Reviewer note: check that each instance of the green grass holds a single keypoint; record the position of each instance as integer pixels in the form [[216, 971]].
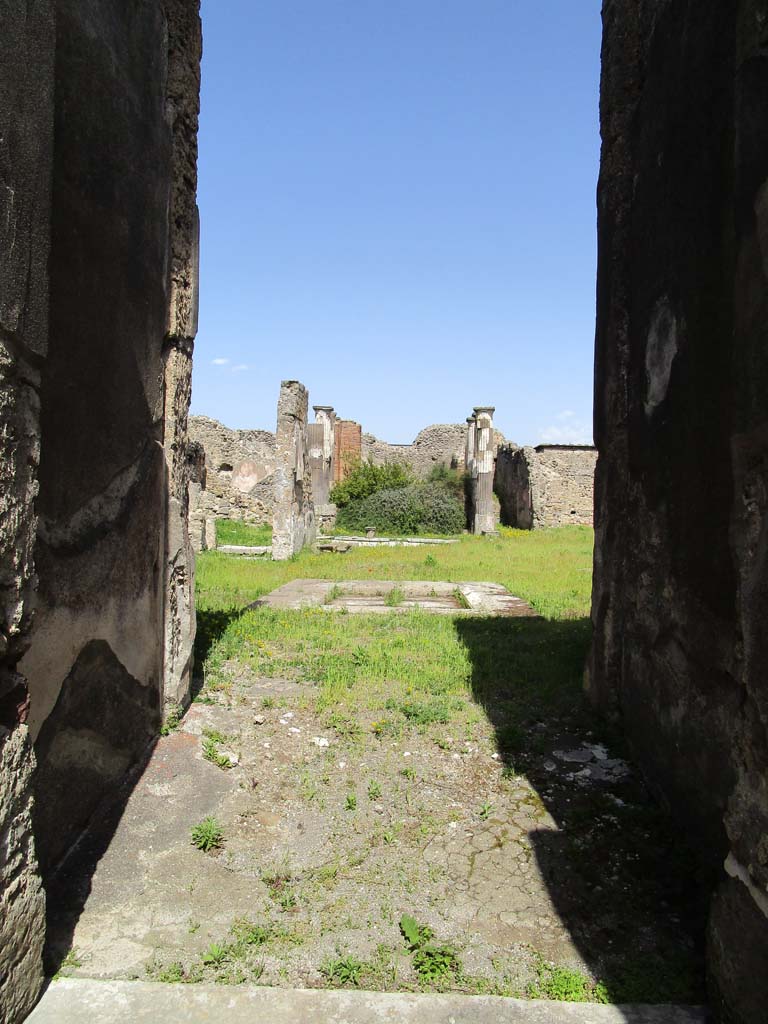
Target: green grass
[[233, 531], [549, 568], [419, 668], [565, 985]]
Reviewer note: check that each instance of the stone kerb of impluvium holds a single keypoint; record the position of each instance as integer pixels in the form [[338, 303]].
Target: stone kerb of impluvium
[[480, 466], [293, 524]]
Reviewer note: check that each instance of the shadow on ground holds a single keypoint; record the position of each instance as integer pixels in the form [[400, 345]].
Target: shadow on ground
[[69, 883], [621, 881]]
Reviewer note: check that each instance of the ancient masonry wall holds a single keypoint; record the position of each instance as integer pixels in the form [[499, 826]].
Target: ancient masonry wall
[[293, 523], [347, 447], [98, 230], [550, 485], [182, 110], [27, 46], [441, 444], [237, 481], [680, 596]]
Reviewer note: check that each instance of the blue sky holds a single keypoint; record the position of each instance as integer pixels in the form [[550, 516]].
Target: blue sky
[[398, 209]]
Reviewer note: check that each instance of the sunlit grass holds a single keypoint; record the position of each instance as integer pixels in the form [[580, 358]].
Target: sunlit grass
[[232, 531], [549, 568], [367, 662]]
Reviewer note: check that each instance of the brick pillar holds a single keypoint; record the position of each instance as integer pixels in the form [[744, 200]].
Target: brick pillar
[[348, 447], [485, 515]]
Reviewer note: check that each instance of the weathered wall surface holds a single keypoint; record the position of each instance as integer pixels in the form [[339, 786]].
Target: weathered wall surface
[[550, 485], [107, 644], [681, 564], [440, 444], [182, 110], [512, 485], [238, 481], [98, 271], [26, 156], [293, 523]]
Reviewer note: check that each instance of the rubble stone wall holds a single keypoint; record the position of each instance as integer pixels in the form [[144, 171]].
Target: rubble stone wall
[[442, 444], [680, 597], [238, 479], [293, 522], [550, 485]]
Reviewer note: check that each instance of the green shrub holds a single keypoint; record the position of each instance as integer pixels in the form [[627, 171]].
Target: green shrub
[[366, 479], [452, 480], [420, 508]]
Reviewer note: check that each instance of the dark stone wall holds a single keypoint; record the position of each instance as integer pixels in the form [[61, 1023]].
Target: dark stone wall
[[26, 158], [98, 307], [681, 563], [101, 519], [512, 485], [114, 621]]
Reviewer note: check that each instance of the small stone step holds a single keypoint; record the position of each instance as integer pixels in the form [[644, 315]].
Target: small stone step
[[78, 1000]]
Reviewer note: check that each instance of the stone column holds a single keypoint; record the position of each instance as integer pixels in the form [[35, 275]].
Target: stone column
[[293, 524], [485, 515], [321, 442], [469, 469]]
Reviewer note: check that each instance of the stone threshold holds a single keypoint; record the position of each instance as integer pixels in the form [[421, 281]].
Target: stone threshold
[[74, 1000]]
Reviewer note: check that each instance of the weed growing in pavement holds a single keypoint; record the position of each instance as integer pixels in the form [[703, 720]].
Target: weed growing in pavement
[[211, 740], [207, 835], [434, 963], [172, 721], [564, 984], [343, 971], [485, 811], [216, 954]]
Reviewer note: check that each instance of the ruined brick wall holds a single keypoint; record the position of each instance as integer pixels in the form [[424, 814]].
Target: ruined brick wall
[[26, 156], [239, 467], [441, 444], [293, 523], [680, 597], [98, 228], [550, 485], [347, 447]]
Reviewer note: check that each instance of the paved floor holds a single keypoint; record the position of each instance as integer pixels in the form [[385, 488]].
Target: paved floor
[[73, 1001]]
